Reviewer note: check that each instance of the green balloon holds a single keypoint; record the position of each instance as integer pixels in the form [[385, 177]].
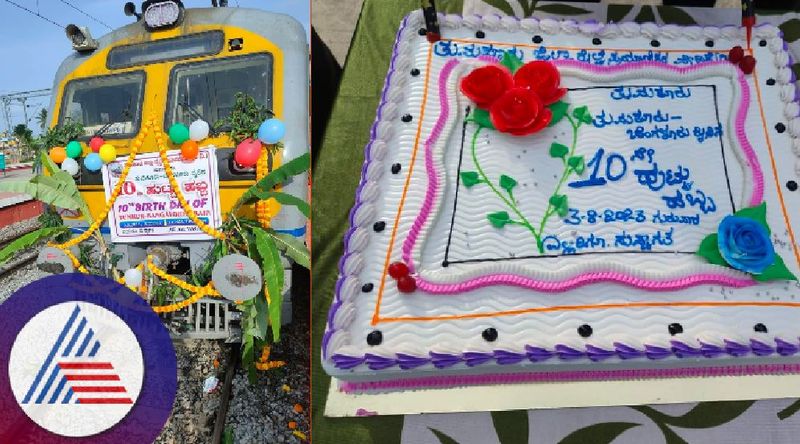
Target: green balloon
[[178, 133], [74, 149]]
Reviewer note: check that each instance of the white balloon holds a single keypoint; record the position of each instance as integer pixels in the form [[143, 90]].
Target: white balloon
[[71, 166], [198, 130], [133, 277]]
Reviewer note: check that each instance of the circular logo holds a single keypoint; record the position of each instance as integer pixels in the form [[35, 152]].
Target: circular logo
[[87, 360]]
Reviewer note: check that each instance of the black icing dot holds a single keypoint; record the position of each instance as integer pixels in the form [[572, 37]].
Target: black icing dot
[[675, 328], [423, 31], [791, 185], [655, 43], [762, 43], [597, 41], [375, 338], [537, 39], [770, 82], [406, 118], [585, 330], [760, 328], [379, 226], [490, 334], [366, 288], [415, 72], [710, 43], [396, 168], [780, 127], [480, 34]]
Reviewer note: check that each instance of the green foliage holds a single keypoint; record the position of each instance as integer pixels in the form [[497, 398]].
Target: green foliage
[[442, 437], [577, 164], [245, 118], [582, 114], [675, 15], [709, 249], [790, 29], [507, 183], [602, 433], [277, 176], [469, 178], [562, 9], [616, 13], [558, 150], [51, 219], [559, 204], [481, 118], [23, 242], [645, 15], [292, 248], [273, 277], [227, 436], [511, 61], [499, 219], [558, 110], [511, 426], [59, 190], [61, 134]]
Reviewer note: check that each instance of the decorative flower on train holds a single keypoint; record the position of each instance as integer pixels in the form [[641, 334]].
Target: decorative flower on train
[[95, 143], [74, 149], [198, 130], [247, 152], [189, 150], [93, 162], [58, 154], [743, 242], [108, 153], [271, 131], [512, 96], [178, 133]]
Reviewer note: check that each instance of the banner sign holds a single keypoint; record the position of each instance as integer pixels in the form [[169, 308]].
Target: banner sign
[[147, 209]]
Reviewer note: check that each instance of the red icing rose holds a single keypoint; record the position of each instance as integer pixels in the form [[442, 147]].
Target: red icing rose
[[541, 78], [486, 84], [520, 112]]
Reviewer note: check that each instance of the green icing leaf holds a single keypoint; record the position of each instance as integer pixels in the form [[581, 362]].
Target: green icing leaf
[[603, 433], [558, 110], [481, 118], [675, 16], [442, 437], [577, 164], [645, 15], [502, 5], [776, 272], [709, 249], [511, 61], [507, 183], [469, 178], [561, 9], [559, 202], [499, 219], [582, 114], [558, 150], [757, 213], [791, 30], [616, 13], [511, 426], [790, 410], [704, 415]]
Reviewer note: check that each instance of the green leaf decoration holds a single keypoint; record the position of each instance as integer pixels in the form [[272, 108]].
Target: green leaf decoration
[[499, 219], [293, 248], [511, 61], [284, 199], [561, 9], [704, 415], [507, 183], [481, 118], [675, 16], [582, 114], [616, 13], [442, 437], [227, 436], [273, 278], [502, 5], [645, 15], [277, 176], [52, 190], [603, 433], [791, 30], [577, 164], [559, 203], [790, 410], [709, 249], [776, 272], [558, 150], [558, 110], [28, 240], [248, 357], [469, 178], [511, 426], [757, 213]]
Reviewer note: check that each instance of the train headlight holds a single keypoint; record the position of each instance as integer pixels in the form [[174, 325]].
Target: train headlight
[[81, 38], [160, 14]]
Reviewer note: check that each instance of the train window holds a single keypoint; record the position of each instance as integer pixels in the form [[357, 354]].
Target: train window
[[207, 89], [178, 48], [111, 103]]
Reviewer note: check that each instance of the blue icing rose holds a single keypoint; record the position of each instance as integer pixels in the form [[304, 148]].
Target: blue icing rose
[[745, 244]]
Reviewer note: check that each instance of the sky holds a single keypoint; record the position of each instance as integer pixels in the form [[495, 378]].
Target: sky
[[32, 48]]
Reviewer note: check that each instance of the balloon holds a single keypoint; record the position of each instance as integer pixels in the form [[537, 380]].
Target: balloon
[[247, 152], [108, 153], [271, 131], [95, 143], [178, 133], [189, 150], [74, 149], [93, 162], [198, 130], [133, 277], [71, 166], [58, 154]]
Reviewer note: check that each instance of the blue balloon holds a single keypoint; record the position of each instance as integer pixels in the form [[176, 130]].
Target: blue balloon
[[271, 131], [92, 162]]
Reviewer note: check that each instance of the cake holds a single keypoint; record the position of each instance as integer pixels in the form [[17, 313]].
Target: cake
[[547, 200]]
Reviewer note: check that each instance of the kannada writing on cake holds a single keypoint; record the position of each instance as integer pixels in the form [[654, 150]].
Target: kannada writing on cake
[[645, 240]]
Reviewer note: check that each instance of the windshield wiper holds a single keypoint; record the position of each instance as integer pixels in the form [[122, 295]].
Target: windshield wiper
[[126, 115], [197, 116]]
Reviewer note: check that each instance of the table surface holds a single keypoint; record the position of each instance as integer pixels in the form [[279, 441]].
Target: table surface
[[336, 175]]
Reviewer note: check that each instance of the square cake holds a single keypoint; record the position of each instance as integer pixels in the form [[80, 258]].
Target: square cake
[[548, 200]]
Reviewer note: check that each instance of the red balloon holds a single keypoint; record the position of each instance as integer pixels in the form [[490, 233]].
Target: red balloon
[[247, 153], [95, 143]]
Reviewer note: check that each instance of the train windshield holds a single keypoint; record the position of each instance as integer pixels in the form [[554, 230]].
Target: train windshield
[[207, 90], [108, 104]]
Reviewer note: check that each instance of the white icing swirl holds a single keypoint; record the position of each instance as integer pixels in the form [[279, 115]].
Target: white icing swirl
[[569, 27], [794, 127], [353, 264], [472, 22], [349, 290], [358, 239], [791, 110], [610, 30], [509, 23], [369, 191], [344, 315], [691, 32], [530, 25], [712, 32], [629, 29], [374, 171], [796, 147], [650, 30], [491, 22], [672, 31], [549, 26], [775, 44], [378, 150], [787, 92], [781, 59], [364, 214], [590, 28]]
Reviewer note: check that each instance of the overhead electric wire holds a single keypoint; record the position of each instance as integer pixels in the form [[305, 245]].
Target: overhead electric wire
[[85, 13], [34, 13]]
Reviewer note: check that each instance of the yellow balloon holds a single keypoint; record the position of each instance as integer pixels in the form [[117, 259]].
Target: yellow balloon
[[108, 153]]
